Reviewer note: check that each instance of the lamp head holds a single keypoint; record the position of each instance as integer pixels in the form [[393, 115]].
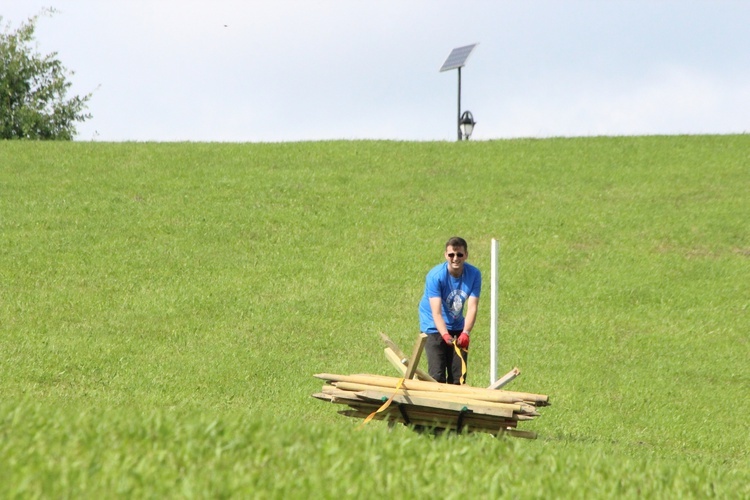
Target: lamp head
[[466, 124]]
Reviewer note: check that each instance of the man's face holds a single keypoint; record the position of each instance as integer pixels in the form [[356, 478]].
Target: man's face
[[456, 256]]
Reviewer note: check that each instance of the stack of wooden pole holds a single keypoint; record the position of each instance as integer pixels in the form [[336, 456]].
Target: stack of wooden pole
[[429, 404]]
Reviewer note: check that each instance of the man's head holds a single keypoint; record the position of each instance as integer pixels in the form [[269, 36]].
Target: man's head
[[456, 253]]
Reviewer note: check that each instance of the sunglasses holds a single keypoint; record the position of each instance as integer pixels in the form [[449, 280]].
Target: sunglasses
[[459, 255]]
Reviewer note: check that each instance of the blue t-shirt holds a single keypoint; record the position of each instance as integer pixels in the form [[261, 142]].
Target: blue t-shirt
[[453, 292]]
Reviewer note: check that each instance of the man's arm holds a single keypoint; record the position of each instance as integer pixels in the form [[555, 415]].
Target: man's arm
[[471, 313], [436, 305]]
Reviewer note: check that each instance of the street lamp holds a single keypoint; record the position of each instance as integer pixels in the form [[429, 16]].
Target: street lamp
[[467, 125], [456, 60]]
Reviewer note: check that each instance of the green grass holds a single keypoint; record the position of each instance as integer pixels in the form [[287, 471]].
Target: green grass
[[164, 306]]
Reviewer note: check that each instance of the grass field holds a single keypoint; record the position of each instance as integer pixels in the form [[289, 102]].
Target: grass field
[[164, 307]]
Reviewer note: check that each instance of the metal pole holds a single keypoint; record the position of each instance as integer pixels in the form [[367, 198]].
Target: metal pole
[[458, 121], [493, 311]]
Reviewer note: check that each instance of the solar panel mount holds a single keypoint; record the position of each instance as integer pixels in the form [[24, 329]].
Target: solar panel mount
[[457, 58]]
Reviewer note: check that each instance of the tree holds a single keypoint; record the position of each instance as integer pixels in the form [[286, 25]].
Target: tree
[[33, 90]]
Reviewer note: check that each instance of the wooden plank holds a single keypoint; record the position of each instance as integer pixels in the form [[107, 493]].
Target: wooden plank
[[500, 396], [389, 343], [331, 398], [516, 408], [443, 416], [415, 355], [377, 397], [410, 400], [399, 355], [339, 393], [470, 423], [440, 411], [505, 379], [475, 392], [423, 375], [394, 360]]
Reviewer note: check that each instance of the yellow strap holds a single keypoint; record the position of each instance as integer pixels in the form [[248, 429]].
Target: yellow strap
[[463, 363], [385, 405]]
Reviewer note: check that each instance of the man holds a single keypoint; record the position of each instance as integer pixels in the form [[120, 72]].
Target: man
[[450, 288]]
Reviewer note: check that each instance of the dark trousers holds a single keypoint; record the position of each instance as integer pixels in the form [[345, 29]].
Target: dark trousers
[[443, 364]]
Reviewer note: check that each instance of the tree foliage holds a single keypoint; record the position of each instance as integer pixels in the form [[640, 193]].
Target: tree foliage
[[33, 90]]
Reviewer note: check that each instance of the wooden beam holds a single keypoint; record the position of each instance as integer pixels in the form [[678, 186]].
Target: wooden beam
[[505, 379], [399, 354], [394, 360], [500, 396], [411, 368], [471, 423], [443, 411], [389, 343], [457, 407], [456, 398], [323, 396]]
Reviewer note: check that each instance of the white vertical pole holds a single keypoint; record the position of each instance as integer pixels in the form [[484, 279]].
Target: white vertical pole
[[493, 312]]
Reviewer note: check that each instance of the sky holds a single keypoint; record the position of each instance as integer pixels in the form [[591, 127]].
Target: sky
[[310, 70]]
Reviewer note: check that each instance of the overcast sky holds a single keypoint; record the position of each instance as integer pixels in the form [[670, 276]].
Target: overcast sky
[[283, 70]]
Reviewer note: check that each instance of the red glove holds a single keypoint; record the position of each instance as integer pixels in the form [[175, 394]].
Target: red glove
[[448, 338], [463, 340]]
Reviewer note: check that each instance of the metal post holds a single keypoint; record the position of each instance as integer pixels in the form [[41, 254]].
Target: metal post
[[458, 121], [493, 311], [456, 59]]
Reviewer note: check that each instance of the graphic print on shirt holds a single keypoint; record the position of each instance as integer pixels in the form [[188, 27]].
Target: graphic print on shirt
[[455, 303]]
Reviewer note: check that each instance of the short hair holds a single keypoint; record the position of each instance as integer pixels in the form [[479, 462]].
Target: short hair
[[457, 241]]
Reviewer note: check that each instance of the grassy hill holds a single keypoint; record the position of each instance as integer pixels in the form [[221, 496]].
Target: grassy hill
[[164, 306]]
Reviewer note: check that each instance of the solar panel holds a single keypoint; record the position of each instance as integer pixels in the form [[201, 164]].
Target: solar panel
[[458, 57]]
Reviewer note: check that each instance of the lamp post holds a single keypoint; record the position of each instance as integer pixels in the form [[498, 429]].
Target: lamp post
[[466, 124], [456, 60]]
